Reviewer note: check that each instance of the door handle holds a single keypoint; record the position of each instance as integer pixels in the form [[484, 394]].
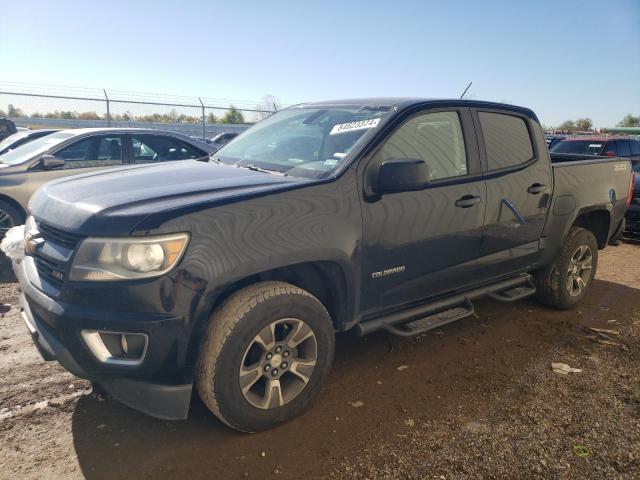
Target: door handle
[[467, 201], [536, 188]]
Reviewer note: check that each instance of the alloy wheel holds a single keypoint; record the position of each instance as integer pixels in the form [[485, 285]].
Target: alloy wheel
[[579, 271], [278, 363], [6, 222]]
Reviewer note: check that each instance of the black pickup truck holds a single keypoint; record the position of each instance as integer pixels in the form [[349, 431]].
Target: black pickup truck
[[234, 275]]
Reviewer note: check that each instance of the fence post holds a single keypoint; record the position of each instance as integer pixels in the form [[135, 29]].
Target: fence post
[[108, 112], [202, 117]]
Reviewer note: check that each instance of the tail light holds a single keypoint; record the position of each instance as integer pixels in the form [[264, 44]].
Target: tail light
[[631, 185]]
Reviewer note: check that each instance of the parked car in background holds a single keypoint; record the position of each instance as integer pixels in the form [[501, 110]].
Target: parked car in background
[[222, 139], [21, 137], [599, 146], [632, 217], [69, 152], [553, 139], [233, 276]]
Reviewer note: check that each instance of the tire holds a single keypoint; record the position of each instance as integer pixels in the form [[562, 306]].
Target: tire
[[10, 216], [554, 286], [232, 342]]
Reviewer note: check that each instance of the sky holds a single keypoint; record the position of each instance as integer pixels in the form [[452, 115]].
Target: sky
[[564, 59]]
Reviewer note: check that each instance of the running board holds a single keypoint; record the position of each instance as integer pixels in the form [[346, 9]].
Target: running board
[[426, 317]]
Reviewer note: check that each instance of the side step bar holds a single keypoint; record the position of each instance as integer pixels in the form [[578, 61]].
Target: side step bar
[[426, 317]]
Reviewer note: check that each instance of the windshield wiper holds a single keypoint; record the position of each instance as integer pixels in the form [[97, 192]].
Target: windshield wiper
[[255, 168]]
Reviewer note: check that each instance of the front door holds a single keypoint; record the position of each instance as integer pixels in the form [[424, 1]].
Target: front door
[[418, 244], [519, 185]]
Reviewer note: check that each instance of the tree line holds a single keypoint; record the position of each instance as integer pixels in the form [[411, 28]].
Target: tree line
[[585, 124], [232, 115]]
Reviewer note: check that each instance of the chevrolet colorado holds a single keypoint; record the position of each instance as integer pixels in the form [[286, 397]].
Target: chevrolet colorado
[[234, 275]]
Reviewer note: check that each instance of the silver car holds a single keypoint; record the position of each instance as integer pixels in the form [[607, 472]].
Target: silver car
[[69, 152]]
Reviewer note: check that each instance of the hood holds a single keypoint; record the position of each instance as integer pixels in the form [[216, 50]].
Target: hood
[[114, 201]]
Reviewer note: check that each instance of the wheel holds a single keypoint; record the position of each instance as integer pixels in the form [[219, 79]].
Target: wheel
[[266, 351], [567, 280], [10, 216]]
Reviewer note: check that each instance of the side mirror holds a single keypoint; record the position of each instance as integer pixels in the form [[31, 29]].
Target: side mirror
[[50, 162], [401, 175]]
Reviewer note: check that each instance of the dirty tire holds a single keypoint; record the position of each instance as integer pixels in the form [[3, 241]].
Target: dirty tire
[[232, 328], [551, 283]]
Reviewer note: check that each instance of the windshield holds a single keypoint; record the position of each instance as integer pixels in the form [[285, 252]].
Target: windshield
[[308, 142], [29, 150], [582, 147]]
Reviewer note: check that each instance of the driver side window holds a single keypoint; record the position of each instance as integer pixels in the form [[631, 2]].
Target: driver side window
[[100, 151], [435, 138]]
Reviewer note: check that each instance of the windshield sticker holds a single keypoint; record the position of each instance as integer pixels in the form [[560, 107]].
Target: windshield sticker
[[353, 126], [330, 162]]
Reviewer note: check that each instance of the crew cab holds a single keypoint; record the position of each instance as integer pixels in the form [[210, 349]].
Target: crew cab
[[234, 275]]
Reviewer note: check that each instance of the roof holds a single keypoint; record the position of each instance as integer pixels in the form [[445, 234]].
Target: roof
[[598, 139], [87, 131], [587, 139], [406, 102], [82, 131]]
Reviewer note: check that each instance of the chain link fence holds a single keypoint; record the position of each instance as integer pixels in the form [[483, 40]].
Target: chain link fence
[[46, 106]]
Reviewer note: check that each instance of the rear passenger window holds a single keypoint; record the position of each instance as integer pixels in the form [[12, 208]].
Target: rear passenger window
[[435, 138], [623, 148], [155, 148], [610, 149], [506, 139]]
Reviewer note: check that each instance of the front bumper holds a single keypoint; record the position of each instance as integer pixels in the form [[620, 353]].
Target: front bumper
[[156, 387]]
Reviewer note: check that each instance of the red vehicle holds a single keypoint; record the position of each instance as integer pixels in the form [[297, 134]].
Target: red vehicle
[[599, 146]]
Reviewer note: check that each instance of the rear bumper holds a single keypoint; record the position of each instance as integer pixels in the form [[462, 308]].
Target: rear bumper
[[55, 329]]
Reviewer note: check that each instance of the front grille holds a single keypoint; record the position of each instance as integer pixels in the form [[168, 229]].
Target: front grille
[[51, 272], [59, 237]]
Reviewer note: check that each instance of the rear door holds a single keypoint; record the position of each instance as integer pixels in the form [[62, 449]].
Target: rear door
[[421, 243], [84, 155], [519, 184]]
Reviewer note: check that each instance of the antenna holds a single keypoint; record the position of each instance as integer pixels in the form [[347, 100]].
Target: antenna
[[465, 90]]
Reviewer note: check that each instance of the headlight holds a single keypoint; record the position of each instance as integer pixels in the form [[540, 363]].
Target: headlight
[[107, 259]]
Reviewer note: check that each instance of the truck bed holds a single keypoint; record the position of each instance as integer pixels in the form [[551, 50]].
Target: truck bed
[[584, 184]]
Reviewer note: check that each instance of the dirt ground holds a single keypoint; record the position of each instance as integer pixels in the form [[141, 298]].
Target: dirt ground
[[475, 399]]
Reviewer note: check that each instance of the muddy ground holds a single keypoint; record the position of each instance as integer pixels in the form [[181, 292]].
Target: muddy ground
[[476, 399]]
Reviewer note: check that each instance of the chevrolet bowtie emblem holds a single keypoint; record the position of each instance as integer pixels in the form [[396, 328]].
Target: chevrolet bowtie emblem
[[32, 240]]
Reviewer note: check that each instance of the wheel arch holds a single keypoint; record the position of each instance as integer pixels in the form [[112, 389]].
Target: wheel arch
[[324, 279], [598, 221], [10, 201]]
